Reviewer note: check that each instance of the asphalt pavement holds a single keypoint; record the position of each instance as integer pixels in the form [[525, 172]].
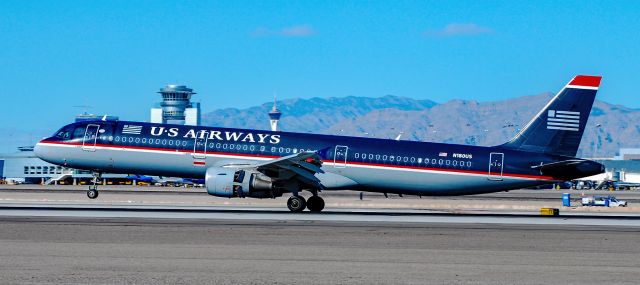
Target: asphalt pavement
[[63, 250]]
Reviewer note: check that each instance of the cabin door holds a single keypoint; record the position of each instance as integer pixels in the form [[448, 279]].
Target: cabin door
[[199, 150], [496, 162], [340, 157], [90, 137]]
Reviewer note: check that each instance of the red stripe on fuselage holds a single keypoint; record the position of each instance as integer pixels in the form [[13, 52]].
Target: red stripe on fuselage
[[328, 161]]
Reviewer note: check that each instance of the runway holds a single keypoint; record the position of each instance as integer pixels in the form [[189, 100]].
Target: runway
[[190, 238], [64, 250], [276, 214]]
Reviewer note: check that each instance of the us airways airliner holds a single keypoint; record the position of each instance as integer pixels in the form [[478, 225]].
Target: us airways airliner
[[248, 163]]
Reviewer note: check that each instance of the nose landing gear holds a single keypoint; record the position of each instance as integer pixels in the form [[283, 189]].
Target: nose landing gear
[[92, 193]]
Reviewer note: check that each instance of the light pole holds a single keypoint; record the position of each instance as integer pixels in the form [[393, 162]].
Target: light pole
[[596, 140]]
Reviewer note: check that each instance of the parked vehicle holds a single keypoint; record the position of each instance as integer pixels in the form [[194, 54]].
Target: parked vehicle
[[603, 201]]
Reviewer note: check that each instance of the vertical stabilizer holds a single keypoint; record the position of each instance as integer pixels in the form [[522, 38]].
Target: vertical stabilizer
[[558, 127]]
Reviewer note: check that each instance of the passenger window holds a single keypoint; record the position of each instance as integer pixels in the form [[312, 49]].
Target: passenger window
[[357, 155], [440, 161]]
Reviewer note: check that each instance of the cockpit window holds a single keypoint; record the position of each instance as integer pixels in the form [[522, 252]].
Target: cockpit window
[[63, 135], [79, 132]]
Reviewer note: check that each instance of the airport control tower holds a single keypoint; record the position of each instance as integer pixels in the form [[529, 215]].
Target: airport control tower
[[176, 107], [274, 116]]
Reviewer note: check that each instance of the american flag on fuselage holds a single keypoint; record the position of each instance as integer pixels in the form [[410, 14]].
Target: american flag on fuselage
[[131, 129]]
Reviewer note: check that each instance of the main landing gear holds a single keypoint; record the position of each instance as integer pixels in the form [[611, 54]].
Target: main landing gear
[[297, 204], [92, 193]]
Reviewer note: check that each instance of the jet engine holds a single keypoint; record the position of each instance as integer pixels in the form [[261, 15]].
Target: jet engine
[[231, 183]]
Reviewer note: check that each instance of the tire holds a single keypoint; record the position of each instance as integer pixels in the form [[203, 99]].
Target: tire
[[296, 204], [92, 194], [315, 204]]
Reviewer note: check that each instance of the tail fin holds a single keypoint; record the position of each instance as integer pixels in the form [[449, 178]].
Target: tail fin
[[558, 127]]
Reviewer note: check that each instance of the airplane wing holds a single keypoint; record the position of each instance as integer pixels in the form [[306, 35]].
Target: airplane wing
[[301, 166]]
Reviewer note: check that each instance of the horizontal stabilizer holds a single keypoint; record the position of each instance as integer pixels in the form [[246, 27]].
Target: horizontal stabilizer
[[563, 170]]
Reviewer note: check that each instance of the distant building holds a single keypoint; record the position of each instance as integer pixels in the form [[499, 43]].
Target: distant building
[[628, 154], [176, 107], [91, 117], [25, 167], [274, 116]]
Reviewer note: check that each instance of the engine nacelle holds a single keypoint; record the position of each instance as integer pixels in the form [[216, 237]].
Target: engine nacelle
[[230, 182]]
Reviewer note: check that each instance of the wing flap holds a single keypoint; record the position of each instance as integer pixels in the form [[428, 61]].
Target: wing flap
[[301, 166]]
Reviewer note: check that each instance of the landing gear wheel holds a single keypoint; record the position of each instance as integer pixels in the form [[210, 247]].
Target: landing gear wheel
[[315, 204], [296, 204], [92, 193]]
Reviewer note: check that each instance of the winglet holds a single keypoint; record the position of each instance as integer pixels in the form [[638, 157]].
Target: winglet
[[585, 81]]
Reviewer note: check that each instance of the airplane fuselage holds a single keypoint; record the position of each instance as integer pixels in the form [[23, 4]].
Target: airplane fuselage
[[380, 165]]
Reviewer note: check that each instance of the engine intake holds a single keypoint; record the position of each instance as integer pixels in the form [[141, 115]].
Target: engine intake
[[230, 183]]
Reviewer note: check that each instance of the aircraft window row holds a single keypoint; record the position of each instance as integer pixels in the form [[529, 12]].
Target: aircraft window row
[[200, 145], [406, 159], [138, 140]]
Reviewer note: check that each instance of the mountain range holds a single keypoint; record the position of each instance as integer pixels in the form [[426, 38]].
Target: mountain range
[[610, 127]]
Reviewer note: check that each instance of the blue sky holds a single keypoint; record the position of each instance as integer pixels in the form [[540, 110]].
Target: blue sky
[[114, 55]]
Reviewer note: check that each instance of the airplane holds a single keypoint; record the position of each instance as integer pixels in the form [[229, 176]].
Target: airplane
[[247, 163]]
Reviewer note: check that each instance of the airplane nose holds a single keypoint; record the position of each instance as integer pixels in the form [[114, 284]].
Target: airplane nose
[[39, 150]]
